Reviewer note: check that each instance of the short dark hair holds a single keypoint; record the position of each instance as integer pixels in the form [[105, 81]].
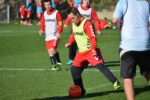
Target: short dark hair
[[48, 1], [73, 10]]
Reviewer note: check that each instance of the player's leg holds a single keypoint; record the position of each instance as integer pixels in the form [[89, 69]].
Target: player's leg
[[56, 54], [97, 61], [59, 63], [76, 71], [109, 75], [128, 70], [143, 61], [29, 17], [76, 76], [128, 88], [52, 58], [51, 52], [39, 13], [57, 57], [72, 53], [22, 17]]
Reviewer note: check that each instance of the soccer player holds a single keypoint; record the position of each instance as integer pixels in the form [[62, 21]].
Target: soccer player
[[29, 11], [89, 13], [84, 35], [22, 13], [73, 47], [135, 41], [38, 11], [51, 21]]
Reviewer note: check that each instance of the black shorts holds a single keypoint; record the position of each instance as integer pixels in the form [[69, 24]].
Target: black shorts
[[131, 59]]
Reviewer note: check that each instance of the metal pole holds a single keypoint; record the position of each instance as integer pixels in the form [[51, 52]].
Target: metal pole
[[17, 9], [8, 14]]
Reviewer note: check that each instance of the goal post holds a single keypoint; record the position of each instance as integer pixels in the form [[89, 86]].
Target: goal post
[[4, 13]]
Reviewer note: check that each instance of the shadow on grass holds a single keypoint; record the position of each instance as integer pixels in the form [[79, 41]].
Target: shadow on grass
[[97, 94], [140, 90], [108, 64], [89, 95], [112, 63]]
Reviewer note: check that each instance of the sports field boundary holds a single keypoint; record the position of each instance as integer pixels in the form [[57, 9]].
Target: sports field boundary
[[40, 69]]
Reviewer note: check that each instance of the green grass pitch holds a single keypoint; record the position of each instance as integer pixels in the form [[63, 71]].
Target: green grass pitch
[[25, 74]]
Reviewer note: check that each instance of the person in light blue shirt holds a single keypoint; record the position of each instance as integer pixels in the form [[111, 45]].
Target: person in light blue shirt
[[135, 40], [29, 11], [38, 11]]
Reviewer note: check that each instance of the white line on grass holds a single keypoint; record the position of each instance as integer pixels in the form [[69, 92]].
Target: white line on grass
[[39, 69], [16, 31]]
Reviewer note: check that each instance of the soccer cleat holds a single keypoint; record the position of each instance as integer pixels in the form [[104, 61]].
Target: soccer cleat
[[59, 65], [83, 92], [89, 65], [69, 62], [117, 85], [37, 24], [55, 68]]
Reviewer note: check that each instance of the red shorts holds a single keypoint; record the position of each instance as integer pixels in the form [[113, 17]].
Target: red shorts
[[52, 44], [29, 12], [82, 60], [38, 15], [22, 17]]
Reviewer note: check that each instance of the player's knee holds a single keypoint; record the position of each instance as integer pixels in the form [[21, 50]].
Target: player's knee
[[53, 51], [76, 71]]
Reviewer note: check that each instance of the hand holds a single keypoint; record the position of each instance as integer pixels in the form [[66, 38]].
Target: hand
[[96, 57], [65, 26], [58, 36], [40, 32], [94, 52], [99, 33], [67, 45]]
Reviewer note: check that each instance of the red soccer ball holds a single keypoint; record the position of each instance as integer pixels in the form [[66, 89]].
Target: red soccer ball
[[75, 91]]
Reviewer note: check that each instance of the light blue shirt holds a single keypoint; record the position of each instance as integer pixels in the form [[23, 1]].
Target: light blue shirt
[[38, 10], [77, 2], [29, 7], [53, 4], [134, 34]]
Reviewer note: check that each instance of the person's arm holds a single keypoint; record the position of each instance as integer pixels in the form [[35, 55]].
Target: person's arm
[[42, 26], [68, 20], [72, 3], [59, 21], [60, 27], [70, 41], [116, 22], [119, 12], [89, 31], [96, 21], [149, 24]]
